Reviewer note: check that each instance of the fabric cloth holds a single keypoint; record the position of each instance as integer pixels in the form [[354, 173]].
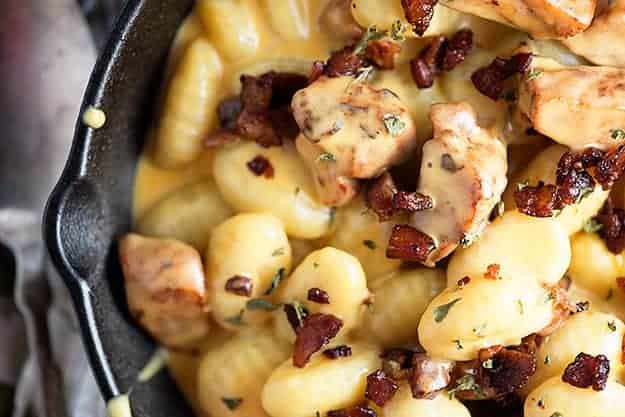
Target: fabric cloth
[[46, 56]]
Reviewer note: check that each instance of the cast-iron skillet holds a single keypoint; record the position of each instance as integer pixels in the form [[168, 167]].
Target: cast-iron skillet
[[91, 204]]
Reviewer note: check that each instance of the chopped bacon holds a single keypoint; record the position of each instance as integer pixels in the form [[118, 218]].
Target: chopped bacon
[[489, 80], [492, 271], [357, 411], [293, 317], [419, 14], [463, 282], [316, 332], [411, 202], [440, 55], [344, 62], [588, 371], [342, 351], [612, 231], [409, 244], [397, 363], [380, 388], [429, 376], [382, 53], [240, 285], [262, 111], [261, 166], [611, 167], [380, 196], [537, 201], [319, 296]]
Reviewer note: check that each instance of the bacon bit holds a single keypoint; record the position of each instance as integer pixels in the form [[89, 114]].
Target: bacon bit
[[397, 363], [409, 244], [613, 230], [489, 80], [380, 196], [293, 317], [463, 282], [316, 331], [611, 167], [357, 411], [492, 271], [261, 166], [240, 285], [344, 62], [429, 376], [342, 351], [538, 201], [419, 14], [380, 388], [228, 112], [588, 371], [319, 296], [440, 55], [411, 202], [620, 283], [382, 53]]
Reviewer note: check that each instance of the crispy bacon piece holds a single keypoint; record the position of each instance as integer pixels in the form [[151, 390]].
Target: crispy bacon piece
[[537, 201], [382, 53], [613, 227], [316, 332], [380, 196], [409, 244], [411, 202], [397, 363], [498, 371], [344, 62], [261, 166], [342, 351], [463, 282], [588, 371], [429, 376], [492, 271], [319, 296], [440, 55], [262, 111], [611, 167], [357, 411], [489, 80], [419, 14], [380, 388], [293, 318], [240, 285]]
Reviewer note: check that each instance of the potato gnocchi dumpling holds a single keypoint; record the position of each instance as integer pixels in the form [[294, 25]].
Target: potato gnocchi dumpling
[[404, 405]]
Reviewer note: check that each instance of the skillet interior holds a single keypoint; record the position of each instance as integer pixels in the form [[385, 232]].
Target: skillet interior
[[91, 204]]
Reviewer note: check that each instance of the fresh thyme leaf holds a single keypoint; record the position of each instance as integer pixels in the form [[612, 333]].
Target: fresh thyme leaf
[[592, 226], [276, 280], [232, 403], [557, 414], [617, 134], [442, 311], [398, 31], [534, 74], [326, 157], [370, 244], [394, 124], [521, 307], [371, 34], [612, 326], [467, 383], [261, 304], [237, 320]]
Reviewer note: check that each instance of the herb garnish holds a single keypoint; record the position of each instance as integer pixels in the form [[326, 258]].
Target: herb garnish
[[592, 226], [326, 157], [617, 134], [370, 244], [232, 403], [467, 383], [261, 304], [442, 311], [276, 280], [237, 320], [394, 125]]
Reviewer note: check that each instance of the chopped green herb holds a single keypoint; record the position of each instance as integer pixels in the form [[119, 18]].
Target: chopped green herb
[[394, 124], [547, 360], [232, 403], [297, 190], [327, 157], [398, 31], [592, 226], [300, 311], [315, 265], [479, 329], [278, 252], [521, 307], [617, 134], [371, 34], [458, 344], [370, 244], [276, 280], [585, 192], [261, 304], [467, 383], [557, 414], [487, 364], [237, 320], [534, 74], [612, 326], [332, 216], [442, 311]]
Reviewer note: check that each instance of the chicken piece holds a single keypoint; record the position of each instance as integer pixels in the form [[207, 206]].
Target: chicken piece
[[165, 289], [337, 19], [540, 18], [464, 171], [577, 107], [602, 43], [354, 130]]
